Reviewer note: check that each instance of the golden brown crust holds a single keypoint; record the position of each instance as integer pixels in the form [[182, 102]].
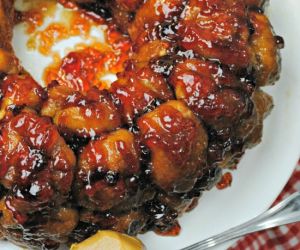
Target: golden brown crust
[[265, 49]]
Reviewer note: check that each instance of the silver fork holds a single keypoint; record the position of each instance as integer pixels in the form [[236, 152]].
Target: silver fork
[[285, 212]]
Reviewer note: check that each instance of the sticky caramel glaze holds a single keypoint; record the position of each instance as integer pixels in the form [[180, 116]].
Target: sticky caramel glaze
[[34, 155], [225, 181], [186, 103], [246, 134], [213, 93], [173, 231], [152, 13], [137, 90], [178, 143], [216, 29], [130, 223], [222, 102], [87, 67], [122, 11], [36, 170], [78, 70], [85, 115], [17, 91], [230, 32], [108, 171]]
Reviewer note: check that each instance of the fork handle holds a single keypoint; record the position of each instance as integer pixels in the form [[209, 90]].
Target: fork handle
[[285, 212]]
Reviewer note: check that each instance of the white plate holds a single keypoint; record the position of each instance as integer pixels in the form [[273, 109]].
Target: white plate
[[264, 170]]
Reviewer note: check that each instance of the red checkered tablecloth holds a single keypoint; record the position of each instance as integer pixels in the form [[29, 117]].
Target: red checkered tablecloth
[[281, 238]]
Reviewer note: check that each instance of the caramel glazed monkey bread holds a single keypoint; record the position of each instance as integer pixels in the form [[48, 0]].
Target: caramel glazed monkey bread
[[136, 156]]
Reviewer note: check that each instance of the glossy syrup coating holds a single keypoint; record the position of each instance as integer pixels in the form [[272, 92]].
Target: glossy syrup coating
[[17, 91], [151, 14], [216, 29], [130, 223], [37, 142], [213, 93], [178, 144], [85, 68], [187, 103], [37, 170], [106, 168], [137, 90], [78, 70], [85, 115]]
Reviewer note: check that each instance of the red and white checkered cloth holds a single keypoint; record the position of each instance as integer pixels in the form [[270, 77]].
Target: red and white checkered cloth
[[281, 238]]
